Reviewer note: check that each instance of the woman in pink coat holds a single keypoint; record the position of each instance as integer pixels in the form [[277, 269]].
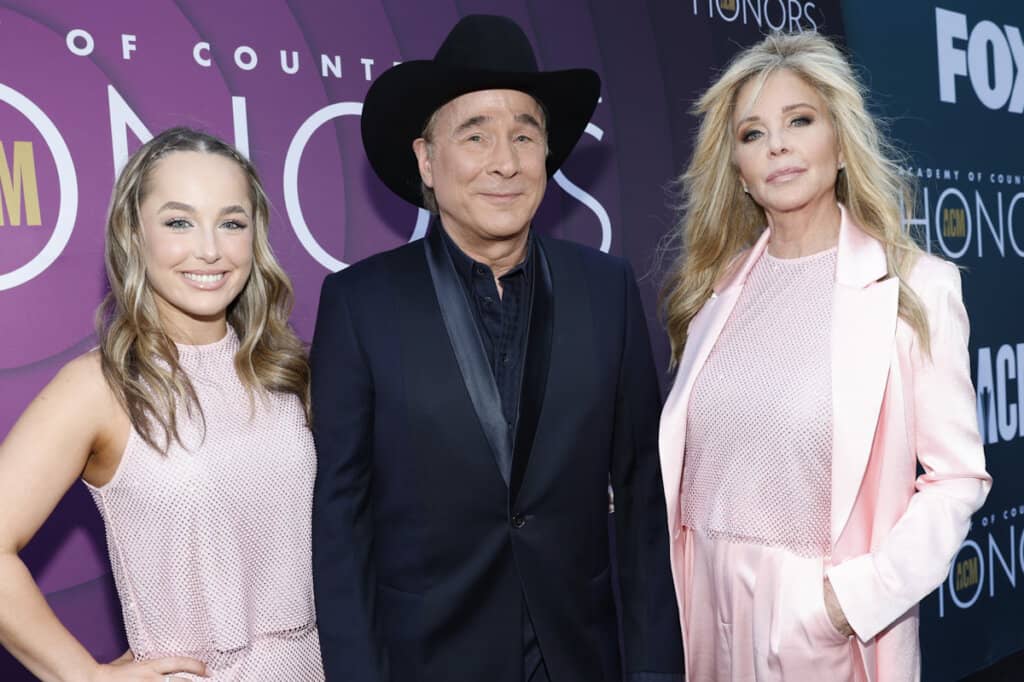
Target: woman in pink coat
[[820, 360]]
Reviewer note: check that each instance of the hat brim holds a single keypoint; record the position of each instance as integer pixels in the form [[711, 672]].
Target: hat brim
[[403, 98]]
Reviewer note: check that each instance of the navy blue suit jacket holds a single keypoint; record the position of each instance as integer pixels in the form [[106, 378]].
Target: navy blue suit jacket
[[426, 538]]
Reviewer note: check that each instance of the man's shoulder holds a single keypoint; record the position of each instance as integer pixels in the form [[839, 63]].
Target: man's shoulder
[[372, 270], [591, 259]]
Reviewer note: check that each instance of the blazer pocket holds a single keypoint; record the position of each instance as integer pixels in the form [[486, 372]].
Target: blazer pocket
[[824, 625], [399, 611]]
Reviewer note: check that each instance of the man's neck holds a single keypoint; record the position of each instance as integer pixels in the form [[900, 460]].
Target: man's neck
[[499, 255]]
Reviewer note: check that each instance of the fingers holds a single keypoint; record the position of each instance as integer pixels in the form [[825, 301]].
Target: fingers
[[178, 664]]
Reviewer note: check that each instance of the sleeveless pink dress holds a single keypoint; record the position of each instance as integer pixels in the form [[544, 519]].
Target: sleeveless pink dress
[[756, 487], [210, 544]]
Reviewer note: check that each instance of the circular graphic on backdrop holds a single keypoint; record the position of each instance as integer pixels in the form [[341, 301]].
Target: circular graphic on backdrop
[[14, 178], [291, 185]]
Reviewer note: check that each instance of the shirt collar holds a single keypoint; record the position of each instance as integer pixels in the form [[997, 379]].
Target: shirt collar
[[465, 265]]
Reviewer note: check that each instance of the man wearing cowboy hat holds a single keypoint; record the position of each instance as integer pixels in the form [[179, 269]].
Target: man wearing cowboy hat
[[474, 393]]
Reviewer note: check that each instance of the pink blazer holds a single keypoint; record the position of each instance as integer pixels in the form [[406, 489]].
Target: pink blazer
[[893, 535]]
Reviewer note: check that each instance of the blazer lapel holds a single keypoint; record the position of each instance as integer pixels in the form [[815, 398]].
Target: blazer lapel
[[704, 331], [535, 369], [469, 351], [864, 315]]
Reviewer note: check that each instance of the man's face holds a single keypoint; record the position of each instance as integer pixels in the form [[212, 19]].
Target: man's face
[[485, 161]]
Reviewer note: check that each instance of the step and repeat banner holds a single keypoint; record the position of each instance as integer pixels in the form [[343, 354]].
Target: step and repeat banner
[[85, 83], [949, 75]]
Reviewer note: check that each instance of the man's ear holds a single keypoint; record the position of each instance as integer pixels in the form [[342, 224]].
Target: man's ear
[[421, 148]]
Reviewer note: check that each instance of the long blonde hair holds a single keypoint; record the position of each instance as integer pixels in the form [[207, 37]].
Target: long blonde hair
[[139, 359], [718, 220]]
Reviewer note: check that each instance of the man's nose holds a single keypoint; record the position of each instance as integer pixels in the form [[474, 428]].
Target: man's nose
[[505, 158]]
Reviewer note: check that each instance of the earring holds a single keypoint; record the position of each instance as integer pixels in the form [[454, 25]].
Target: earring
[[745, 190], [842, 165]]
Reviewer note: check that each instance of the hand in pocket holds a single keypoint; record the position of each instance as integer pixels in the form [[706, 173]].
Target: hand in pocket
[[835, 611]]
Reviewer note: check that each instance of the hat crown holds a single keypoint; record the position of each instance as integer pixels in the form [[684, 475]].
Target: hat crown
[[488, 43]]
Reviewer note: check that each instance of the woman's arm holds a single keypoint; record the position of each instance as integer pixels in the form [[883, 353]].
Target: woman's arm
[[877, 588], [48, 448]]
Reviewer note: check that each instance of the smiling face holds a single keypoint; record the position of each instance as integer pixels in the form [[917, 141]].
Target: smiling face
[[485, 162], [785, 148], [197, 241]]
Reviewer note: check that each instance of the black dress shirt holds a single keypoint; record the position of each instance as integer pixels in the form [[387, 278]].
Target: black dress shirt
[[503, 321]]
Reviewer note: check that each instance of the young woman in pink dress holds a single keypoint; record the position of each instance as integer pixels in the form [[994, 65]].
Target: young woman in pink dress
[[820, 360], [189, 425]]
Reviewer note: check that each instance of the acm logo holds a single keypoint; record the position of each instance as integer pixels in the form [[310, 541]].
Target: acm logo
[[19, 204], [986, 565], [18, 185], [953, 230], [1000, 391], [947, 222]]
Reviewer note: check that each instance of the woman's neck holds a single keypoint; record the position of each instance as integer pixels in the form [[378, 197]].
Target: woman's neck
[[805, 231]]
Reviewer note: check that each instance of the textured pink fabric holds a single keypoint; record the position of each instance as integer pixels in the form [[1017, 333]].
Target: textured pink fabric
[[759, 429], [210, 545]]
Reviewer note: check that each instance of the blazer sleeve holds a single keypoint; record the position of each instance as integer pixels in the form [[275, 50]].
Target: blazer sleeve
[[875, 589], [344, 582], [650, 621]]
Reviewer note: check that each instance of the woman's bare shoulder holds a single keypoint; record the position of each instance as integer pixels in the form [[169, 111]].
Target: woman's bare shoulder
[[84, 375]]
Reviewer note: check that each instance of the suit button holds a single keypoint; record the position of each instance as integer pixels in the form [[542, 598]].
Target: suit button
[[518, 521]]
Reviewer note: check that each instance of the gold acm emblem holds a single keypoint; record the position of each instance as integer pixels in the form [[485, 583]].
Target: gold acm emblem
[[954, 222], [18, 185], [967, 574]]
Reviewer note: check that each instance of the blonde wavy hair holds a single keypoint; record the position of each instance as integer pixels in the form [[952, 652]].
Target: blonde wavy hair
[[718, 220], [139, 359]]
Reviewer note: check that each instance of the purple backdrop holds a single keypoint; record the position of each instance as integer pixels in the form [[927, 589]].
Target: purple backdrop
[[85, 82]]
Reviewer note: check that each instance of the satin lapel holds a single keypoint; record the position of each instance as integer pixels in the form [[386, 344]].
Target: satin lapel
[[469, 350], [864, 314], [535, 370], [704, 331], [863, 333]]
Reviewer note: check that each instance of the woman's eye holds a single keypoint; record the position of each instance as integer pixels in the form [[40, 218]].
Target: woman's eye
[[802, 121], [475, 138], [750, 135], [234, 225], [178, 224]]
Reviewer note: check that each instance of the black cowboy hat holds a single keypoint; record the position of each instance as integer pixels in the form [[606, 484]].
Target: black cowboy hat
[[482, 52]]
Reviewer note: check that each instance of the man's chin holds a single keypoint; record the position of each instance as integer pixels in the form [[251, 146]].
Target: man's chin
[[503, 233]]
